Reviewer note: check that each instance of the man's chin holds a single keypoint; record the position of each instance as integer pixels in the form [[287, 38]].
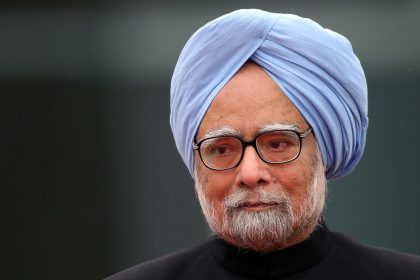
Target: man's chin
[[261, 237], [264, 234]]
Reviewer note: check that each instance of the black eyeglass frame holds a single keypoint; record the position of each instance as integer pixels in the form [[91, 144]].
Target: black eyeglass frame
[[253, 143]]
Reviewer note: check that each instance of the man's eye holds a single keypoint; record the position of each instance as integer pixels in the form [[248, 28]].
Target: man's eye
[[277, 145], [220, 150]]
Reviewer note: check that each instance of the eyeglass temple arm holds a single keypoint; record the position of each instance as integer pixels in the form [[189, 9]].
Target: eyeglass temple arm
[[305, 133]]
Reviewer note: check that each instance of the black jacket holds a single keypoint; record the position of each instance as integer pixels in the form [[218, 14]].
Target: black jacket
[[324, 255]]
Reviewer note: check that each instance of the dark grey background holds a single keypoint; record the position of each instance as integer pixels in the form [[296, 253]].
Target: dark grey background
[[91, 182]]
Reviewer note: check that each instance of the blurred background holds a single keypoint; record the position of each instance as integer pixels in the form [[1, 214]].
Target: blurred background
[[91, 182]]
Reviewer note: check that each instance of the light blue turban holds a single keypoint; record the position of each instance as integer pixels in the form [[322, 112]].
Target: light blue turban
[[315, 67]]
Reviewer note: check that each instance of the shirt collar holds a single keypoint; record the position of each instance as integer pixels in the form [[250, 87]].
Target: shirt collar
[[280, 263]]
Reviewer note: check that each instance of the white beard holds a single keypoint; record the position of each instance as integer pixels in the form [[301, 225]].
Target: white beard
[[269, 229]]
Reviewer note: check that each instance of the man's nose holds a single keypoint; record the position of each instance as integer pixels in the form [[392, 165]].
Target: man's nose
[[252, 171]]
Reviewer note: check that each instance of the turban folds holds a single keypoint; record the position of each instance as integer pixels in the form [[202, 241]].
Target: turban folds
[[315, 67]]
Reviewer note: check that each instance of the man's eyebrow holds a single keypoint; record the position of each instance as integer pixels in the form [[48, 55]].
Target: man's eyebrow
[[222, 131], [278, 126], [229, 131]]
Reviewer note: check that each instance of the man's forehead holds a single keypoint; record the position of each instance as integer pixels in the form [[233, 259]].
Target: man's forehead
[[228, 130]]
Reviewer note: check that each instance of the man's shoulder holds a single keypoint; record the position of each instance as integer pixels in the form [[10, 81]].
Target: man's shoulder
[[171, 266], [375, 260]]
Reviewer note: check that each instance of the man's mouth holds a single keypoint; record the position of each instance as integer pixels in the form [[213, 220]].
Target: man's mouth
[[257, 206]]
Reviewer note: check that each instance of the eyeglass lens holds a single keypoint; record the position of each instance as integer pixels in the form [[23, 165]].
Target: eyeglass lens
[[226, 152]]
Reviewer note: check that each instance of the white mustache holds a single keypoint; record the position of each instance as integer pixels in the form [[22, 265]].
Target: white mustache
[[243, 196]]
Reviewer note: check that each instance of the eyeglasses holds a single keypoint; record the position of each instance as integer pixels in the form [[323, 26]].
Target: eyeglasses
[[226, 152]]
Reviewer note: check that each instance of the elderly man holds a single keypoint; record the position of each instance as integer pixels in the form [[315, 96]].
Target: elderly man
[[265, 108]]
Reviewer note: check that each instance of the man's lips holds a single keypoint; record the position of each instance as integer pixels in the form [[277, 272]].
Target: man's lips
[[256, 205]]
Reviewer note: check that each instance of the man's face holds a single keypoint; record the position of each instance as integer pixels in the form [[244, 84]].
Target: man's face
[[259, 205]]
